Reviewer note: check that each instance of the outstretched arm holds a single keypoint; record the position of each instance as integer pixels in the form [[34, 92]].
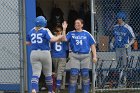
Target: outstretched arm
[[56, 38], [51, 37], [64, 25]]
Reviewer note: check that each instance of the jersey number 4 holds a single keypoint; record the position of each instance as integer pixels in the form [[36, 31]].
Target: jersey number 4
[[36, 38]]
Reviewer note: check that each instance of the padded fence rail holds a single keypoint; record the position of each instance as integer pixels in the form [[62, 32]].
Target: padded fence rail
[[110, 76]]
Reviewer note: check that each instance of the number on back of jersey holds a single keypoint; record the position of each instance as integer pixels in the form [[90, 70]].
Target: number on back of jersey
[[58, 46], [36, 38]]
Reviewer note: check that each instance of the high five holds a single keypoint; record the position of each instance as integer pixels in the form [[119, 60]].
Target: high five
[[39, 39], [81, 44]]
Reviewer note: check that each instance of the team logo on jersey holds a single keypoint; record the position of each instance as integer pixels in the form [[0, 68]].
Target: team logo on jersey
[[120, 35]]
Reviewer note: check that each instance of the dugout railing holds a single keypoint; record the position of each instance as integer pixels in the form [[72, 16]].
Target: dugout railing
[[108, 76]]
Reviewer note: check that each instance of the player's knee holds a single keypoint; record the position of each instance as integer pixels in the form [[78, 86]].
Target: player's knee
[[49, 80], [74, 75], [74, 71], [85, 75], [85, 72]]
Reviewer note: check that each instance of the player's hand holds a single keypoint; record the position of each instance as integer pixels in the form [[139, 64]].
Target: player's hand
[[126, 45], [27, 43], [63, 38], [94, 59], [64, 25], [60, 37]]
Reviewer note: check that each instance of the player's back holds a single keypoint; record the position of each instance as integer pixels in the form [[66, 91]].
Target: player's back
[[39, 39], [59, 49]]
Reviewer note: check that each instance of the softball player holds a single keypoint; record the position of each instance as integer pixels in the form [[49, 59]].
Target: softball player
[[81, 44], [39, 39], [123, 37], [59, 54]]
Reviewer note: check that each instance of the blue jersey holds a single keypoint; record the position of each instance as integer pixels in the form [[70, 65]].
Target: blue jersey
[[80, 42], [122, 35], [59, 49], [39, 39]]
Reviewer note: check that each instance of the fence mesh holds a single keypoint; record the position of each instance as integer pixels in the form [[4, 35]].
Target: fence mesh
[[106, 11], [9, 46], [110, 74]]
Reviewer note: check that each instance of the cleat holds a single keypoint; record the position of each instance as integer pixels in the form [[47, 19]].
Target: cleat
[[34, 91]]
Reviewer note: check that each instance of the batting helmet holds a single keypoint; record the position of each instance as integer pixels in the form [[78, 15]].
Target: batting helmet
[[121, 15], [40, 21]]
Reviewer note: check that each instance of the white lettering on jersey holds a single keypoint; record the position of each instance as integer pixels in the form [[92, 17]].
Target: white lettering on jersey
[[79, 42], [79, 37], [36, 38], [58, 46], [120, 35]]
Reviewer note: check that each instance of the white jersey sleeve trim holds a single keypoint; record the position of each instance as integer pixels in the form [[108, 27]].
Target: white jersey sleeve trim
[[49, 32], [33, 28], [130, 30], [73, 31], [90, 35], [116, 25]]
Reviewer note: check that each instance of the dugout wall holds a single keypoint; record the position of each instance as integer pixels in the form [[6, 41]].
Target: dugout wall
[[30, 15]]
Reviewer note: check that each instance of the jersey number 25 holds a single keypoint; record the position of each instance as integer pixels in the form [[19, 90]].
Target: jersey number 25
[[36, 38]]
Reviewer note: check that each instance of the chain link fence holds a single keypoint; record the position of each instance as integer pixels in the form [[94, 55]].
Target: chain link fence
[[11, 52], [110, 76]]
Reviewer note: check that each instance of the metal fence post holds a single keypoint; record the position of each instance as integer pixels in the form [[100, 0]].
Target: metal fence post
[[92, 31], [21, 46]]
